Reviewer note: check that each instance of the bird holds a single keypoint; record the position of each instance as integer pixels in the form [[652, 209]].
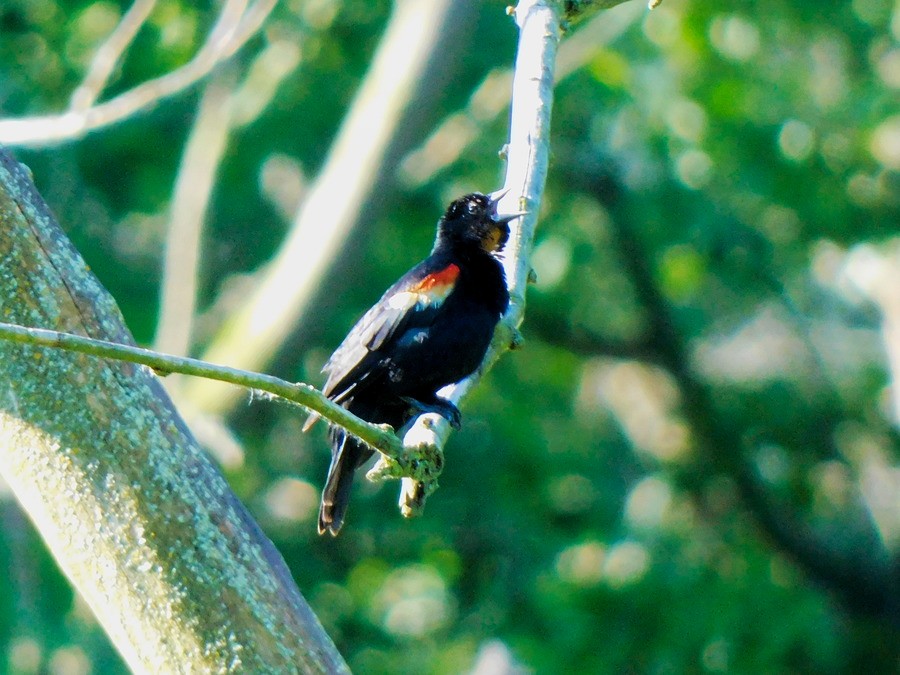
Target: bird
[[431, 328]]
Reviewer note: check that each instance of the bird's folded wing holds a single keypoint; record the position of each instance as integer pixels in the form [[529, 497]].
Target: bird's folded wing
[[411, 302]]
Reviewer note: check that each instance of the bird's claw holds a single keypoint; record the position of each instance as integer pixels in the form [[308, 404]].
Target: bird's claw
[[441, 406]]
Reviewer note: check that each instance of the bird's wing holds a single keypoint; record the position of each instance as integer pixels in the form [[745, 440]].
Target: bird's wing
[[411, 302]]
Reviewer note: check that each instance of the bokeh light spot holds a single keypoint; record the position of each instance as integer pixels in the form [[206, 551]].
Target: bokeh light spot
[[734, 37], [648, 503], [412, 602], [885, 143], [551, 261], [693, 168], [581, 564], [292, 500], [625, 563], [796, 140]]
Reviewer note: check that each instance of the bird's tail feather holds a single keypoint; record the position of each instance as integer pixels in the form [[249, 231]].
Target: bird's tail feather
[[345, 458]]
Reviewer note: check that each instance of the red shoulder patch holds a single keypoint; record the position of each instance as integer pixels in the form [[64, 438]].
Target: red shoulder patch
[[438, 283]]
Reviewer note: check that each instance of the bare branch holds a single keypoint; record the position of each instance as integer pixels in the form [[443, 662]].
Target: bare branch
[[199, 164], [108, 55], [236, 24], [526, 173]]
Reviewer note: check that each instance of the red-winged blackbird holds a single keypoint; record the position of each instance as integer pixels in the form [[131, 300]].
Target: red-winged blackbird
[[430, 329]]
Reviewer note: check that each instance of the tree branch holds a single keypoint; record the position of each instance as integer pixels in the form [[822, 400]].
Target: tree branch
[[200, 162], [224, 107], [108, 55], [526, 172], [581, 341]]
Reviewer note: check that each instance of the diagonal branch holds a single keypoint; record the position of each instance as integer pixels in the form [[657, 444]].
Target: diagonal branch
[[108, 55], [203, 153], [860, 572], [225, 106], [583, 342]]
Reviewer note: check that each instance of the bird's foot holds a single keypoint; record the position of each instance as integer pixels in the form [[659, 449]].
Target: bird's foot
[[441, 406]]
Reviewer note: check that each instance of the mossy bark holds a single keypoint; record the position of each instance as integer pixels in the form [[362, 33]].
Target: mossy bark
[[141, 521]]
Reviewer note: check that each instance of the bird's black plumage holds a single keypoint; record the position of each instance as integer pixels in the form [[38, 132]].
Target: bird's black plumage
[[430, 329]]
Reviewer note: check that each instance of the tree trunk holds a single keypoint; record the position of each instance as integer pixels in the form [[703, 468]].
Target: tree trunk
[[175, 569]]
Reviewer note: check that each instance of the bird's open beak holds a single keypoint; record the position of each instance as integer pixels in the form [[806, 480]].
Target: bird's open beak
[[498, 235], [494, 199]]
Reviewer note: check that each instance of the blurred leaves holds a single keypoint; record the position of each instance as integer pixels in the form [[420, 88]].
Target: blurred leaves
[[590, 518]]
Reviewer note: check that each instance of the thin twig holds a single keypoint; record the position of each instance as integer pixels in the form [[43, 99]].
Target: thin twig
[[580, 341], [579, 10], [109, 54], [235, 25], [378, 437]]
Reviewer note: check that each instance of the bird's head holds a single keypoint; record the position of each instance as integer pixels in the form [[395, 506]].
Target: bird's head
[[472, 222]]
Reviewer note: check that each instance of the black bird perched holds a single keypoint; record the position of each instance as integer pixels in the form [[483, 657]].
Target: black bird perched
[[430, 329]]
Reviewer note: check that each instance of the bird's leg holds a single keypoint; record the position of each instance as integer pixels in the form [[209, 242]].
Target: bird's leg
[[438, 405]]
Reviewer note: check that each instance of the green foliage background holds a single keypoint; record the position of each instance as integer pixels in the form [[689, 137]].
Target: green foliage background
[[587, 521]]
